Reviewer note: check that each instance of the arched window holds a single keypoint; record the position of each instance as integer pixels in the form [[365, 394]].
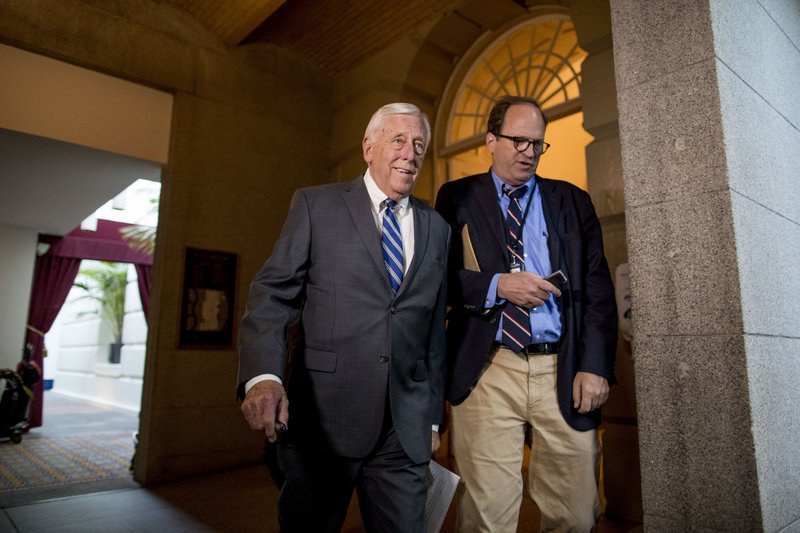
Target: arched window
[[539, 57]]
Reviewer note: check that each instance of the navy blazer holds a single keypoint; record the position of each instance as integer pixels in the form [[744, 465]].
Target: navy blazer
[[587, 303], [361, 346]]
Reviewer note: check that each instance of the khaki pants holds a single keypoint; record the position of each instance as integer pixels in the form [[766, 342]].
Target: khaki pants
[[488, 444]]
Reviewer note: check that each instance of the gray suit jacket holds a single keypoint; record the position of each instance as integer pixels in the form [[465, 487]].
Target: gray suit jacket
[[361, 346]]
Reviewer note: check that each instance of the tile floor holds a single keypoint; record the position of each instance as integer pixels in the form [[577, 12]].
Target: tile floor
[[237, 501]]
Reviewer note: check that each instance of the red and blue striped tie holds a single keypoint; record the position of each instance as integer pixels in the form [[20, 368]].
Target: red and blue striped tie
[[516, 320]]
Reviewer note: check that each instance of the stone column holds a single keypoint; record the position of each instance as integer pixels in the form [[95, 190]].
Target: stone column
[[621, 483], [710, 132]]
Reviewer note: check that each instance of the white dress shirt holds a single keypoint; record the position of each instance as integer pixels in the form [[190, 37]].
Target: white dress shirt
[[403, 212]]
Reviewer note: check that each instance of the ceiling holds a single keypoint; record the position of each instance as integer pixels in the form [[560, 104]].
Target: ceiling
[[232, 22], [336, 34], [37, 198]]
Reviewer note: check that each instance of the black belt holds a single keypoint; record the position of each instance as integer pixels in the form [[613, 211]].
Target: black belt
[[537, 348]]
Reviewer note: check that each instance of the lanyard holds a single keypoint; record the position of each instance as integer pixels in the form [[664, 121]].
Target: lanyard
[[518, 238]]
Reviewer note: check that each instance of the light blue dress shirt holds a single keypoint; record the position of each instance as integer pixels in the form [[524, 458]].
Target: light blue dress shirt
[[545, 320]]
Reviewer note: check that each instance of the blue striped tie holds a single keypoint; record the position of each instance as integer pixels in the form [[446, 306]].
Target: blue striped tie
[[392, 245]]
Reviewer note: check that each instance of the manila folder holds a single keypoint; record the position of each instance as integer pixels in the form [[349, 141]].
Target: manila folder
[[470, 261]]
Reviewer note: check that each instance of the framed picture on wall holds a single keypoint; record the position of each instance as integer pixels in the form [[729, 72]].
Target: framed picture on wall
[[209, 288]]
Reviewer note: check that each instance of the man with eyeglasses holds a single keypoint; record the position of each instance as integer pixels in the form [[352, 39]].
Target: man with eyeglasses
[[526, 355]]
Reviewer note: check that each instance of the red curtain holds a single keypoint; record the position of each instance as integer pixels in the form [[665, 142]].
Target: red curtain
[[54, 274], [145, 275], [52, 281]]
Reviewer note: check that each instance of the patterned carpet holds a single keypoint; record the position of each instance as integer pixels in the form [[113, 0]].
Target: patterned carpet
[[42, 468]]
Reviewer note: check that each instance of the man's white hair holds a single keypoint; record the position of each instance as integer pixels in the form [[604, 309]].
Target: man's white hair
[[397, 108]]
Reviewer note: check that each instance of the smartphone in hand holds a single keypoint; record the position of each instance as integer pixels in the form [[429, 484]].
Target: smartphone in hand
[[557, 278]]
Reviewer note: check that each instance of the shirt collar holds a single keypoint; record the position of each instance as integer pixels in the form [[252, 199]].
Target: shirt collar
[[499, 184], [377, 196]]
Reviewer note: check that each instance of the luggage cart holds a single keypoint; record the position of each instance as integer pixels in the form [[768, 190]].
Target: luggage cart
[[16, 396], [15, 405]]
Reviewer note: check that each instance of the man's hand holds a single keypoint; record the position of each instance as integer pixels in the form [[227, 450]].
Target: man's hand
[[266, 407], [435, 442], [589, 392], [525, 289]]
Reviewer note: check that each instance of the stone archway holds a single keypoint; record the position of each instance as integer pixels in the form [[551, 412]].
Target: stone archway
[[622, 481]]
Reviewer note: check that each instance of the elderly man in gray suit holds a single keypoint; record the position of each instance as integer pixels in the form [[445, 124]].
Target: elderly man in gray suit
[[361, 267]]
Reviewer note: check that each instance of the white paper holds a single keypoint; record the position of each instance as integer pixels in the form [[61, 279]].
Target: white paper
[[442, 485]]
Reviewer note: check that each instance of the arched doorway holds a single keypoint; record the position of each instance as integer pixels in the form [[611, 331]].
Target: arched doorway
[[538, 57], [55, 272]]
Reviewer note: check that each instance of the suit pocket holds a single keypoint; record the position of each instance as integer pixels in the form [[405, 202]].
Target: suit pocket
[[420, 371], [319, 360]]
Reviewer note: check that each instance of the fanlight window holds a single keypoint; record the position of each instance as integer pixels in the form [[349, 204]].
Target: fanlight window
[[538, 58]]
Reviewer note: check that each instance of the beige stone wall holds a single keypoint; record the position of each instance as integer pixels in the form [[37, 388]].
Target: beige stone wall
[[621, 477], [250, 125], [757, 46], [687, 319], [709, 129], [393, 75]]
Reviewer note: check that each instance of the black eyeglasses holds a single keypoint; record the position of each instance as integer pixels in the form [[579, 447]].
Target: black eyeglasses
[[521, 144]]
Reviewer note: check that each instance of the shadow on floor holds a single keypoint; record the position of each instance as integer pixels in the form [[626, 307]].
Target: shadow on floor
[[242, 500]]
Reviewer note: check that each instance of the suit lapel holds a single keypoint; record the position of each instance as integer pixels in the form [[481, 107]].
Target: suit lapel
[[357, 200], [422, 223], [551, 205], [489, 212]]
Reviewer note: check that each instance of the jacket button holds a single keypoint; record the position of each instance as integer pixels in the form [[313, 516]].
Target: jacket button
[[393, 310], [383, 359]]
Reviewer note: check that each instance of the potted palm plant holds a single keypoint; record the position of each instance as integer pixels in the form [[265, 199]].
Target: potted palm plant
[[105, 283], [140, 237]]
